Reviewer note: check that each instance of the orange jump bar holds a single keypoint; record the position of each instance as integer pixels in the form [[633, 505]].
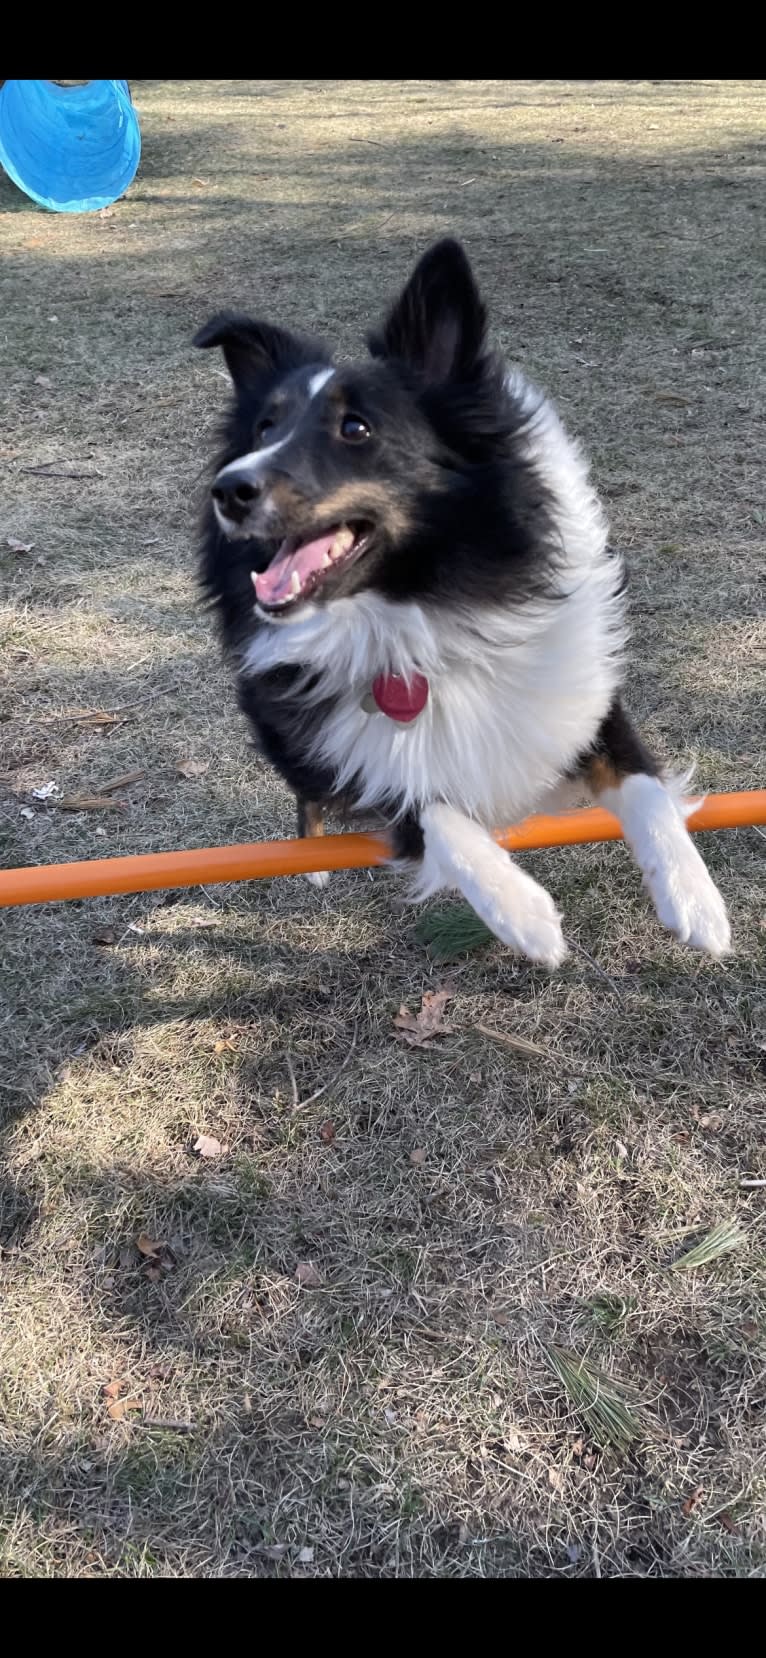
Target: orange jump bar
[[259, 860]]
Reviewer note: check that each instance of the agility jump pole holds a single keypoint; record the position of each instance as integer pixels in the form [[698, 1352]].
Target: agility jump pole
[[261, 860]]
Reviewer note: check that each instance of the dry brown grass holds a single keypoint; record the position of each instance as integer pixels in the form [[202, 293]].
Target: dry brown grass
[[402, 1416]]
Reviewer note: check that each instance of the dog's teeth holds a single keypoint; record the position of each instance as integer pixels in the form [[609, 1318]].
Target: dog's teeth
[[343, 541], [326, 561], [254, 579], [295, 584]]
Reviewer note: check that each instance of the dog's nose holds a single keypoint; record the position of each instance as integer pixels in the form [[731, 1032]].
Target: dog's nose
[[234, 493]]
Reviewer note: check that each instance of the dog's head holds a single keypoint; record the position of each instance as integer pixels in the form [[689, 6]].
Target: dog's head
[[336, 473]]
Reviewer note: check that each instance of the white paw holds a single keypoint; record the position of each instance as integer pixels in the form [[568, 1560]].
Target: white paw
[[524, 916], [685, 898], [460, 853], [687, 901], [319, 878]]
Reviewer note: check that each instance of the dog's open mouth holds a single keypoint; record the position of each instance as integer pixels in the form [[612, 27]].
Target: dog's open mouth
[[299, 568]]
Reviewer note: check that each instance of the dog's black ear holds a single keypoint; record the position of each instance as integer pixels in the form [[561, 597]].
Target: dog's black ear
[[253, 349], [438, 322]]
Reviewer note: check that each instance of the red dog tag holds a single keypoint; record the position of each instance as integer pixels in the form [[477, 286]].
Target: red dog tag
[[400, 699]]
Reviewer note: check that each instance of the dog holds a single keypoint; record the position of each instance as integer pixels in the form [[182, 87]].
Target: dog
[[413, 579]]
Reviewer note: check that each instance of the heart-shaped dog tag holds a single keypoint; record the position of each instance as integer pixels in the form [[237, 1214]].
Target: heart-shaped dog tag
[[401, 699]]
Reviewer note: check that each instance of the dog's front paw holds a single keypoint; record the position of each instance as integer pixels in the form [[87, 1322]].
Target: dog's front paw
[[460, 853], [525, 917], [319, 878], [687, 900]]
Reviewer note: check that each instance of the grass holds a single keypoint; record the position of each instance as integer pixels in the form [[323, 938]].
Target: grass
[[727, 1235], [599, 1400], [396, 1414], [452, 930]]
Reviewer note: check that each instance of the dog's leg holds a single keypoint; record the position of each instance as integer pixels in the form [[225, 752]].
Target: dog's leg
[[311, 824], [624, 777], [458, 853]]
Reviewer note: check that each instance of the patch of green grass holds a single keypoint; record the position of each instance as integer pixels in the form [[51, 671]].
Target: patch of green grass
[[720, 1240], [609, 1312], [603, 1404], [451, 931]]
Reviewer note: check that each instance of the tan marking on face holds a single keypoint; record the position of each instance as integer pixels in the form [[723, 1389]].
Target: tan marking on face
[[286, 501], [362, 501]]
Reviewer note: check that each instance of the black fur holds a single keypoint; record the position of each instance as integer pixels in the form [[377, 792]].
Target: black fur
[[620, 747]]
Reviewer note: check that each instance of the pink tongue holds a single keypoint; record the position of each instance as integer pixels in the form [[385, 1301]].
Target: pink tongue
[[275, 585]]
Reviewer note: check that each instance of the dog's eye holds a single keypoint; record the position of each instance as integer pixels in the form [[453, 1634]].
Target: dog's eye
[[264, 426], [353, 429]]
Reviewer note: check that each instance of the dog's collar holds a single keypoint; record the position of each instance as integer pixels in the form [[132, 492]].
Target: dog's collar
[[398, 698]]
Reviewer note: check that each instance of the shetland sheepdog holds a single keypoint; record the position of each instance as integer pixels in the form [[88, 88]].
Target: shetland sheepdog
[[414, 582]]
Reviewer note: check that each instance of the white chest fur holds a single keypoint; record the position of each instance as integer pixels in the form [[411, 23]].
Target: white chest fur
[[515, 696]]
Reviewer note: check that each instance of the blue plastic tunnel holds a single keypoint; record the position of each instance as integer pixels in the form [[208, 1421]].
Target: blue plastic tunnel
[[73, 149]]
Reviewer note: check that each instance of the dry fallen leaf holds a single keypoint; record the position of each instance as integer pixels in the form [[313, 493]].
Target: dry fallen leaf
[[692, 1500], [112, 1390], [418, 1155], [120, 1408], [327, 1132], [707, 1119], [26, 812], [17, 546], [224, 1045], [206, 1146], [520, 1043], [90, 803], [105, 937], [94, 716], [192, 768], [122, 782], [307, 1275], [158, 1265], [305, 1557], [160, 1372], [419, 1029], [556, 1479], [750, 1329], [147, 1246], [672, 398], [728, 1524], [43, 380]]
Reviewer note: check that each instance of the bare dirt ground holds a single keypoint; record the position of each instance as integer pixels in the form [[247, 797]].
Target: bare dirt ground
[[334, 1350]]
